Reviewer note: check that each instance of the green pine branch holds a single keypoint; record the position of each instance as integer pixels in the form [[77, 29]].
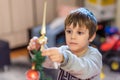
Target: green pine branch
[[38, 60]]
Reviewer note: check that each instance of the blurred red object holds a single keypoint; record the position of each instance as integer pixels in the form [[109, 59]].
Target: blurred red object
[[32, 75], [109, 43], [117, 46]]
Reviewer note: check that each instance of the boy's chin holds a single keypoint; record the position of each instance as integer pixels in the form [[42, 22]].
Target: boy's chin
[[74, 49]]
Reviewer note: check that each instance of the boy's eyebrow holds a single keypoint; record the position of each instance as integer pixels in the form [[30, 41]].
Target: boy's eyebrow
[[79, 29], [82, 30]]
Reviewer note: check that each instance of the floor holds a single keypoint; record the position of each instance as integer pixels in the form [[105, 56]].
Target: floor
[[20, 63]]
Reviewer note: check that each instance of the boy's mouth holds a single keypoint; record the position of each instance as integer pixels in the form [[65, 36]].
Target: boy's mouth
[[73, 43]]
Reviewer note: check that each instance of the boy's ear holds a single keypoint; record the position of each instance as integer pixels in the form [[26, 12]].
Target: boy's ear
[[92, 38]]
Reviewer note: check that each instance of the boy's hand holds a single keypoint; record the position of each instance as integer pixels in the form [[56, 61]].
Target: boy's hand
[[33, 44], [54, 54]]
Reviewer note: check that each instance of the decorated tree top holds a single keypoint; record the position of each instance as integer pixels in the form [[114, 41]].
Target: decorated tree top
[[37, 73]]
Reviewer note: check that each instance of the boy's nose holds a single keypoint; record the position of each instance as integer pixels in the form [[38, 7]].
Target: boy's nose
[[72, 36]]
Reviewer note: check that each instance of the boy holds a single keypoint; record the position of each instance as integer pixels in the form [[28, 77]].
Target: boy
[[78, 60]]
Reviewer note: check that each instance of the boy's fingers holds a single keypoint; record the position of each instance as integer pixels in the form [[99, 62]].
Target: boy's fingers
[[35, 38], [54, 58], [50, 52], [45, 53], [28, 47]]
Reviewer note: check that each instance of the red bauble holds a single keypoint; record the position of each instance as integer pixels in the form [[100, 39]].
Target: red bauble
[[32, 75]]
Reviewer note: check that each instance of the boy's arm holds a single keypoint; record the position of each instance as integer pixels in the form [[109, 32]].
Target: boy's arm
[[82, 67], [48, 63]]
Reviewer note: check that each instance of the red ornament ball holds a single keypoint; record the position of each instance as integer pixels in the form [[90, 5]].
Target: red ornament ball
[[32, 75]]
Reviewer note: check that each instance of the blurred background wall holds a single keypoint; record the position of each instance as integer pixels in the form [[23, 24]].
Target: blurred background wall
[[17, 16]]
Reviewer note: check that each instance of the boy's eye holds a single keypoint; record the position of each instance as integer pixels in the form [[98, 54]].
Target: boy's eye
[[80, 32], [68, 31]]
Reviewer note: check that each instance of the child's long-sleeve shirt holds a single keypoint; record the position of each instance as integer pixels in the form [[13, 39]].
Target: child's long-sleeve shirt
[[85, 67]]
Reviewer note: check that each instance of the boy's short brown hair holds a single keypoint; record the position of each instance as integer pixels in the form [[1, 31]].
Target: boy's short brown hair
[[82, 17]]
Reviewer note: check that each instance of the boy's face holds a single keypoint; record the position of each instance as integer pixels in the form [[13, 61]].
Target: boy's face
[[77, 38]]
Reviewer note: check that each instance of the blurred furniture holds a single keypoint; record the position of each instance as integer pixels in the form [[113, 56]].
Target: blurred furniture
[[16, 16], [4, 54]]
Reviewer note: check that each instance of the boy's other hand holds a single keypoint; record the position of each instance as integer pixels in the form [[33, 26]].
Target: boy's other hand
[[54, 54], [33, 44]]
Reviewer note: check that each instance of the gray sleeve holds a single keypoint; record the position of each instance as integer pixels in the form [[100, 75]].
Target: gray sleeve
[[82, 67]]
